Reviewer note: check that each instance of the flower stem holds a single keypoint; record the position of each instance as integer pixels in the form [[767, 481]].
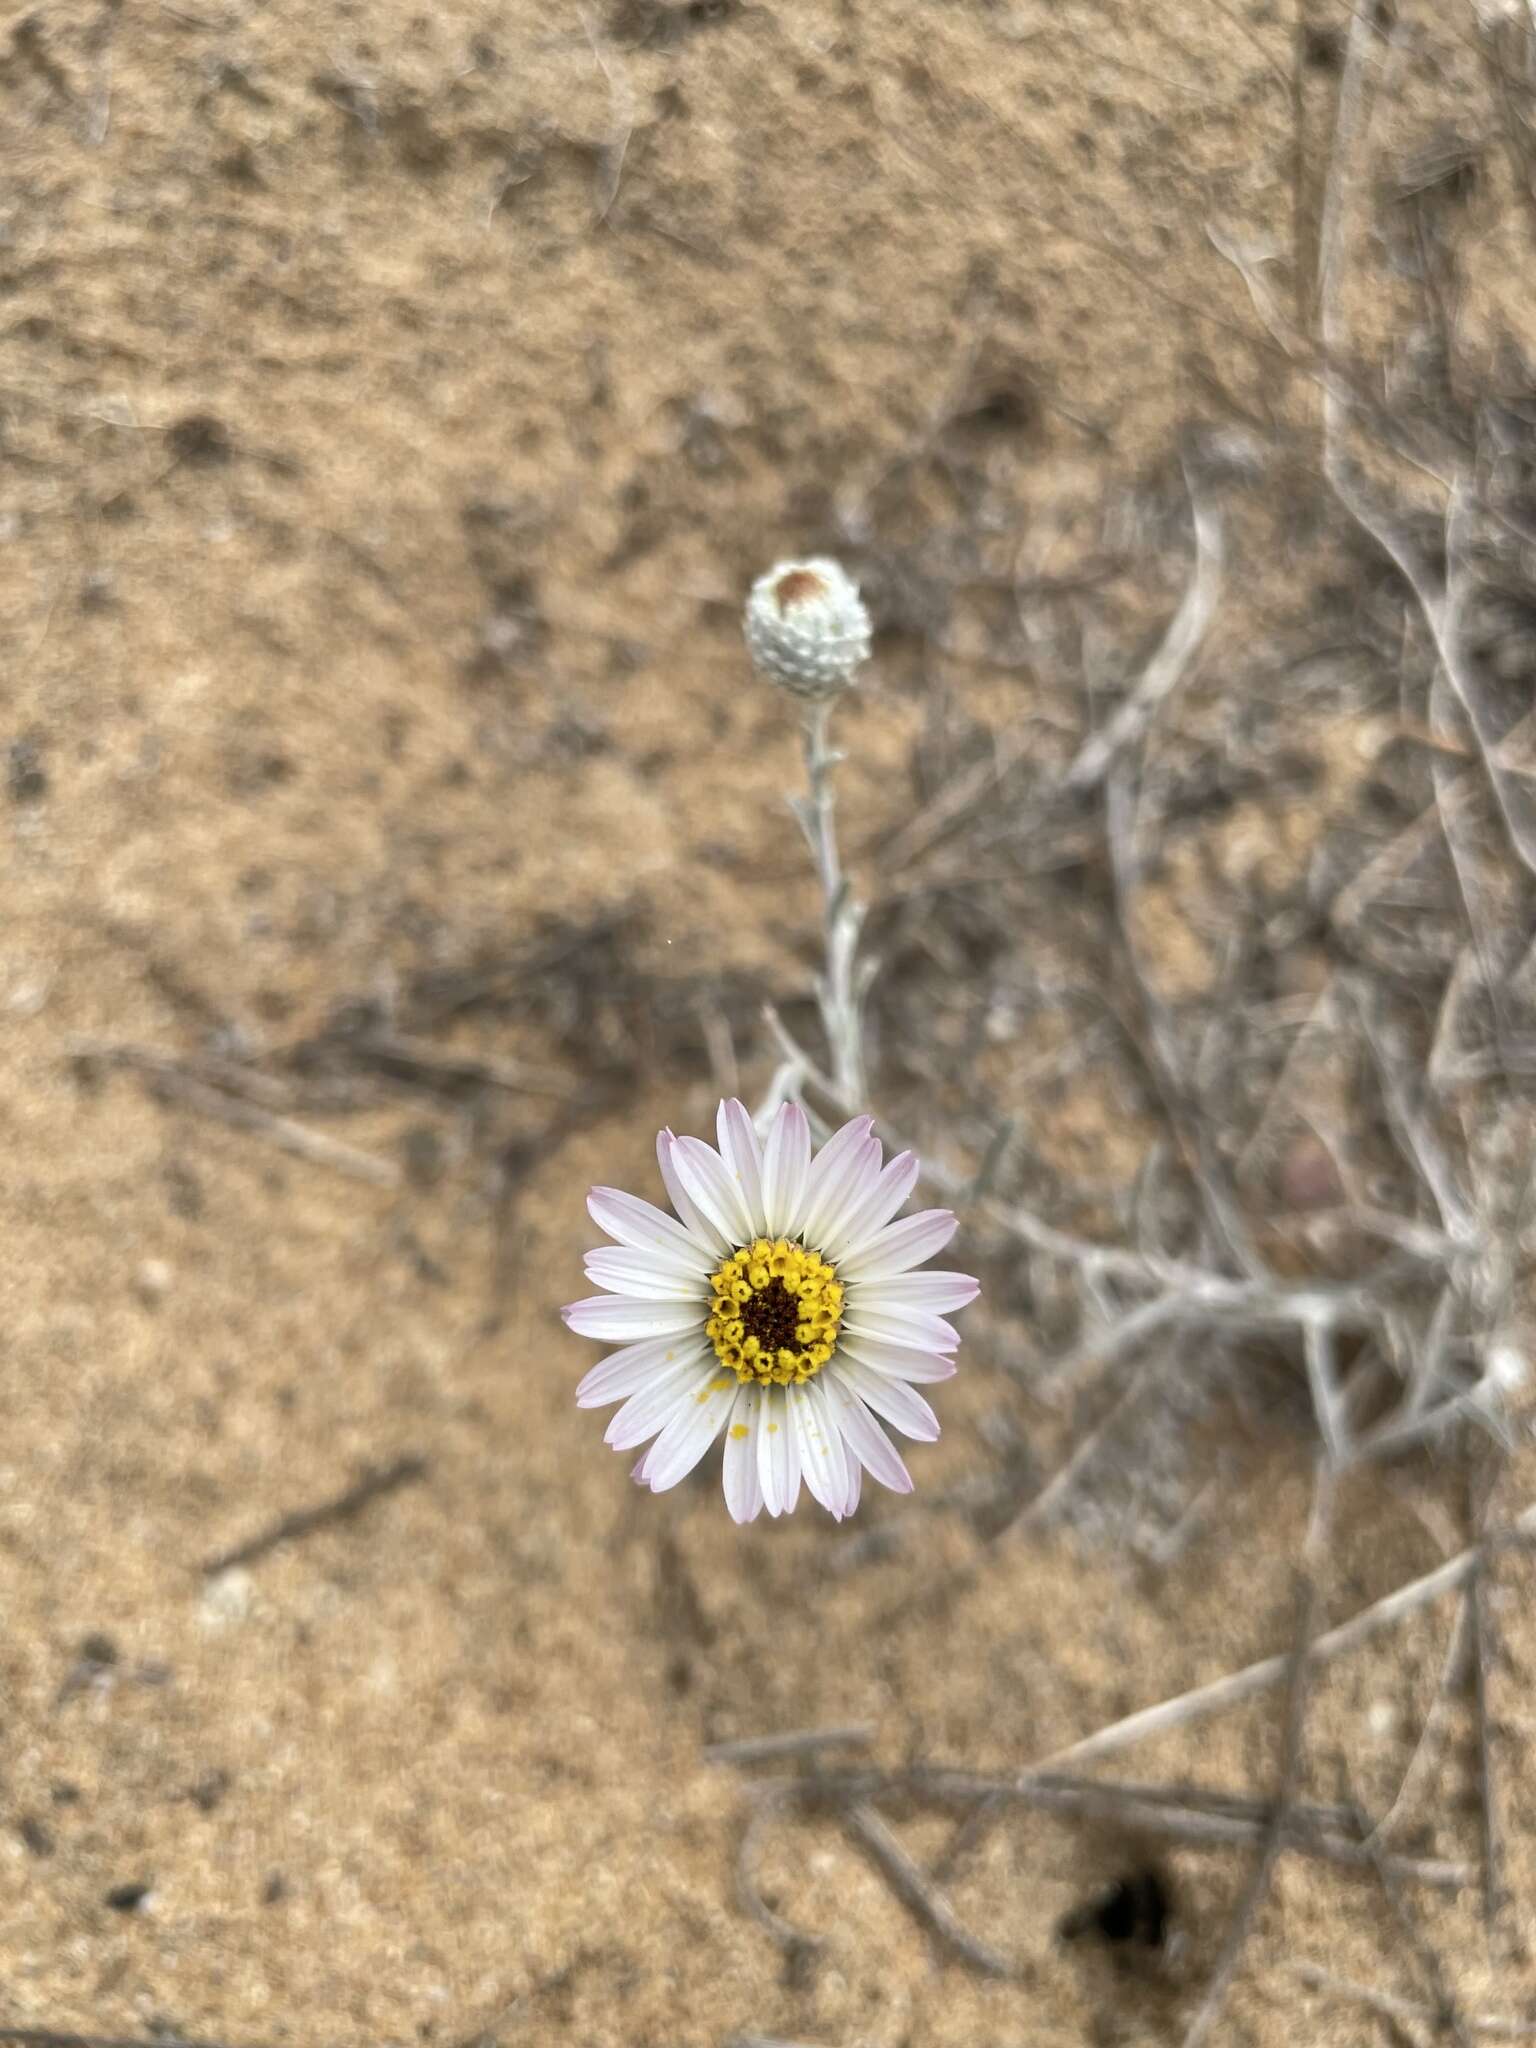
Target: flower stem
[[837, 992]]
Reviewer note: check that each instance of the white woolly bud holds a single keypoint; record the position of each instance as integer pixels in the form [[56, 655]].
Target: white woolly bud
[[806, 627]]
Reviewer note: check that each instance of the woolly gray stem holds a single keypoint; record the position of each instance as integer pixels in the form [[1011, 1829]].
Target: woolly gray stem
[[837, 993]]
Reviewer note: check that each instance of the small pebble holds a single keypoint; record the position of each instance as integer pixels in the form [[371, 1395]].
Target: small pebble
[[128, 1898], [153, 1281], [226, 1598]]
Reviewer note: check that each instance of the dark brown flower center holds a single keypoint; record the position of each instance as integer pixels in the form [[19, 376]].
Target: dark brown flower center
[[771, 1316]]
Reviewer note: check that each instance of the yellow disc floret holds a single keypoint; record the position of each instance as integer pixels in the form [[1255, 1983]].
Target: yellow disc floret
[[775, 1313]]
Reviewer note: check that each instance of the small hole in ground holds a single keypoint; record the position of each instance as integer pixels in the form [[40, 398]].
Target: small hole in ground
[[1134, 1911]]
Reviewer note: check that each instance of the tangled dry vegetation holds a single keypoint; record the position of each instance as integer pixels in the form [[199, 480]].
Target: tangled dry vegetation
[[1332, 1207]]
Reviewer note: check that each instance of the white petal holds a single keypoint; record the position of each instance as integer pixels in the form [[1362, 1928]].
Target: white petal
[[645, 1228], [691, 1431], [900, 1246], [890, 1397], [616, 1320], [861, 1184], [654, 1406], [866, 1440], [830, 1163], [792, 1474], [778, 1460], [855, 1481], [786, 1163], [743, 1488], [876, 1207], [913, 1327], [743, 1160], [819, 1444], [896, 1361], [697, 1224], [642, 1275], [829, 1198], [715, 1194], [939, 1293], [625, 1372]]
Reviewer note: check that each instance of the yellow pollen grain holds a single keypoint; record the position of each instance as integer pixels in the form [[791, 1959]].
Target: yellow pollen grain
[[739, 1430]]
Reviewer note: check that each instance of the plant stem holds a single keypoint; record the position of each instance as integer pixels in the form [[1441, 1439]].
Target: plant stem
[[837, 991]]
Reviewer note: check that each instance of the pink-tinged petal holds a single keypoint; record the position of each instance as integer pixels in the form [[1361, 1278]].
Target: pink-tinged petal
[[714, 1193], [743, 1488], [855, 1482], [614, 1319], [861, 1186], [868, 1442], [830, 1164], [895, 1360], [819, 1445], [625, 1372], [913, 1327], [938, 1293], [786, 1164], [697, 1224], [645, 1228], [743, 1160], [650, 1410], [689, 1434], [639, 1274], [900, 1246], [773, 1450], [876, 1207], [890, 1397], [855, 1172]]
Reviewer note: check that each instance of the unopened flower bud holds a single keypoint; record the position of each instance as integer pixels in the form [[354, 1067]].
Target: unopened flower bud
[[806, 627]]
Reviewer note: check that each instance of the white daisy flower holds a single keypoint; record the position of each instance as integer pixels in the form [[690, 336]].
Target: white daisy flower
[[780, 1304]]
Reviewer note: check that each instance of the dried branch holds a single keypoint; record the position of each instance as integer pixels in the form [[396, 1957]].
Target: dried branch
[[174, 1080], [1192, 1815], [755, 1749], [918, 1895], [1227, 1691], [344, 1508], [1274, 1838], [1480, 1623], [794, 1941], [1495, 2025], [1178, 648]]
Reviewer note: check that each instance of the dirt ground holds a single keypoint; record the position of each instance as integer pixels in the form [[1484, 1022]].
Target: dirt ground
[[395, 404]]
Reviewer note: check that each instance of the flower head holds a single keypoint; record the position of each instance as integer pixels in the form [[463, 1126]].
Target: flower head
[[806, 627], [780, 1304]]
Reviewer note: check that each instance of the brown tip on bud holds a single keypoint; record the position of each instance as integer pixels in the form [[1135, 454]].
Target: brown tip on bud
[[797, 584]]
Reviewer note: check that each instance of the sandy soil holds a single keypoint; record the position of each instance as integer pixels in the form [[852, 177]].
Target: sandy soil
[[394, 405]]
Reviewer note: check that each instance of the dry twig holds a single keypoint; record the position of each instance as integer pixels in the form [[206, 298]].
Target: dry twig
[[918, 1895], [1274, 1837], [290, 1528], [807, 1742], [174, 1080], [1177, 649], [1496, 2025], [1227, 1691]]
